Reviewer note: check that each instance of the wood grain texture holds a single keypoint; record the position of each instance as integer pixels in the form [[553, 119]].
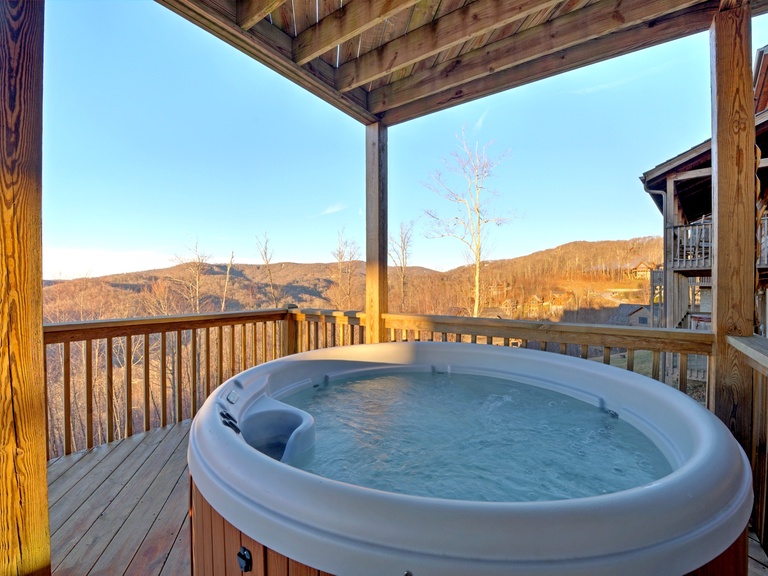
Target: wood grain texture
[[595, 21], [733, 199], [457, 27], [645, 35], [24, 537], [377, 239], [249, 12], [350, 20]]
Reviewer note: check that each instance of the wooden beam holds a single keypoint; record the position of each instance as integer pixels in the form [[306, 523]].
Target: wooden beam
[[733, 223], [353, 18], [376, 237], [570, 30], [249, 12], [24, 533], [470, 21], [674, 26], [729, 4], [273, 48]]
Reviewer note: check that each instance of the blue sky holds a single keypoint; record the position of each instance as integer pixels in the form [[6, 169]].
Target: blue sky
[[159, 137]]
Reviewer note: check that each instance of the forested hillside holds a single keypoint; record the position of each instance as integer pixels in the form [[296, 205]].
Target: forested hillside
[[551, 284]]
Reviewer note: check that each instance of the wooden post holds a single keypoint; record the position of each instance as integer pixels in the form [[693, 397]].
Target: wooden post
[[24, 533], [733, 201], [376, 239], [290, 344]]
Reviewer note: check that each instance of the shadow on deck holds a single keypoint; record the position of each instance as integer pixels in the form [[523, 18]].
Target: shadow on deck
[[122, 508]]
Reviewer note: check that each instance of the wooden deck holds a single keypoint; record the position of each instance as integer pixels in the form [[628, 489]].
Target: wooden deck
[[122, 508]]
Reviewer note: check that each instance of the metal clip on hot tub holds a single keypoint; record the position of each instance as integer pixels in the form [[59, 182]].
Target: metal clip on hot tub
[[280, 431]]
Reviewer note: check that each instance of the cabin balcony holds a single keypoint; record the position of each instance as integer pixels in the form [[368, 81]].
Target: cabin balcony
[[692, 247], [121, 394]]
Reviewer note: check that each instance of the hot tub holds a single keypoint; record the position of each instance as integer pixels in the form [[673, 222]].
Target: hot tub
[[247, 498]]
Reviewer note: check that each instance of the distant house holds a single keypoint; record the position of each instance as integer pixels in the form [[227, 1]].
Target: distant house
[[641, 316], [623, 313], [535, 305], [642, 271]]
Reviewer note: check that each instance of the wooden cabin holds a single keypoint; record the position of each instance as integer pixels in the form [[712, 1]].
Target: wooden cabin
[[382, 62]]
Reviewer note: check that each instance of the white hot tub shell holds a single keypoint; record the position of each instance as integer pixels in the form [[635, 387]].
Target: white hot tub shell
[[670, 526]]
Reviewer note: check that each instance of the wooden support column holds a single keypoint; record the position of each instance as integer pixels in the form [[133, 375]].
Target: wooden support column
[[733, 202], [24, 537], [669, 256], [376, 239]]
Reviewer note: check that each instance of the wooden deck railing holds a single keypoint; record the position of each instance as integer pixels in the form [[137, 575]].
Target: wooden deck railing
[[106, 380], [754, 351], [109, 379], [692, 246]]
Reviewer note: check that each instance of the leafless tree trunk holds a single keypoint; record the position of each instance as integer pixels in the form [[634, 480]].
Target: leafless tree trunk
[[473, 166], [399, 253], [266, 257], [345, 254], [194, 267], [226, 282]]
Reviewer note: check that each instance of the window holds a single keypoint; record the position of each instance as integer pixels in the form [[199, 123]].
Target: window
[[642, 320]]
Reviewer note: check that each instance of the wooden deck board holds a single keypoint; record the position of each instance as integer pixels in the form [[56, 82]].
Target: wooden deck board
[[122, 509]]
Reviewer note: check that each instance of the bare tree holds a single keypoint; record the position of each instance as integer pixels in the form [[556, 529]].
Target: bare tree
[[194, 267], [226, 282], [471, 167], [266, 256], [399, 253], [345, 254]]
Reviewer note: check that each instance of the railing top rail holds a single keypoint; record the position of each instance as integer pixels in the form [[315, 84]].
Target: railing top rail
[[754, 349], [93, 329], [337, 316], [637, 338]]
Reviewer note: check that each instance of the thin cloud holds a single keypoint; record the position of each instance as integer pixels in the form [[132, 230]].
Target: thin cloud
[[481, 120], [333, 208]]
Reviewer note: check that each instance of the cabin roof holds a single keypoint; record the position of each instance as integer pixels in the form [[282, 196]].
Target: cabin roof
[[395, 60], [695, 194]]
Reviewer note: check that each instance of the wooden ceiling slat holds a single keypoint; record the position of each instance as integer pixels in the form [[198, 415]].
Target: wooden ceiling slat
[[617, 44], [567, 31], [249, 12], [305, 12], [282, 18], [422, 14], [353, 19], [454, 28]]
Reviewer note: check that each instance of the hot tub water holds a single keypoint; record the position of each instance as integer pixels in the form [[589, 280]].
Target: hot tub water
[[471, 437]]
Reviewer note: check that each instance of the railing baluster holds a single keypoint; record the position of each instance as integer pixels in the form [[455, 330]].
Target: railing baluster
[[89, 394], [163, 379], [193, 368], [220, 356], [207, 361], [563, 348], [682, 379], [254, 339], [543, 345], [128, 386], [243, 347], [274, 340], [147, 388], [232, 352], [585, 351], [607, 355], [110, 390], [263, 342], [67, 400], [656, 365], [631, 360], [179, 379]]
